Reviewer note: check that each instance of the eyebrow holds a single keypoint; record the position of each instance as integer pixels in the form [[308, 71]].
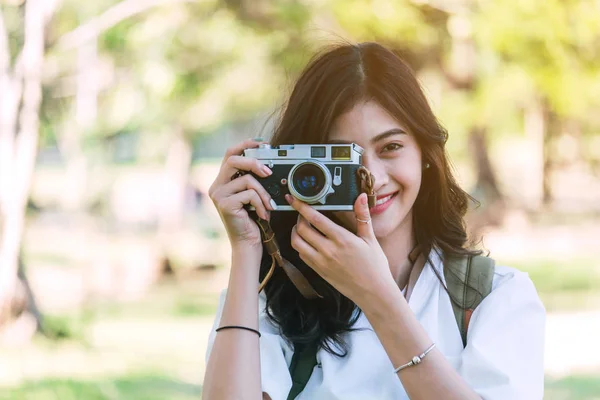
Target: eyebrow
[[377, 138]]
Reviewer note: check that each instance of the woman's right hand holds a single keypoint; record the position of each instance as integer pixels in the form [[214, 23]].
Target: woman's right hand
[[230, 196]]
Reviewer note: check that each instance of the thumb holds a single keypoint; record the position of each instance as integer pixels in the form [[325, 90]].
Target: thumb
[[364, 227]]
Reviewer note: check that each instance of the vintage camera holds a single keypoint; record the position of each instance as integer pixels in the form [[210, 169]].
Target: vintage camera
[[322, 175]]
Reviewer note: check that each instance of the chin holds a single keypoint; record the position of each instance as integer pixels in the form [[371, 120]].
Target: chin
[[384, 227], [390, 221]]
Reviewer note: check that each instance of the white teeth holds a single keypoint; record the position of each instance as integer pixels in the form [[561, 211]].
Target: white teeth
[[381, 201]]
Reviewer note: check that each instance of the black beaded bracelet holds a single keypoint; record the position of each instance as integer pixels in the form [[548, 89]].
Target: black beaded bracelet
[[238, 327]]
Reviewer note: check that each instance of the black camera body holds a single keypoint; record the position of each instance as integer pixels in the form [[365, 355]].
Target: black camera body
[[322, 175]]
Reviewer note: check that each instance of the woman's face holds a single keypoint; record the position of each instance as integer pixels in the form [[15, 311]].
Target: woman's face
[[393, 157]]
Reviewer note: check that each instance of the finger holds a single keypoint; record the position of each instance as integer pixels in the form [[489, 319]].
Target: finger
[[315, 218], [248, 182], [310, 235], [364, 227], [307, 253], [236, 202], [240, 163], [226, 170], [238, 148], [236, 163]]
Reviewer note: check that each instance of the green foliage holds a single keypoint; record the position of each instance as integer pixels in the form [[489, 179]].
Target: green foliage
[[203, 65], [555, 42], [13, 17], [115, 40]]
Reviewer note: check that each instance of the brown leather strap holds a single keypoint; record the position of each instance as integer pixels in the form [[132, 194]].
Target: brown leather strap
[[367, 184], [468, 314], [297, 278], [301, 283]]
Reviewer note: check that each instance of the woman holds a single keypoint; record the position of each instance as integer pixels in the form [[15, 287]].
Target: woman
[[378, 308]]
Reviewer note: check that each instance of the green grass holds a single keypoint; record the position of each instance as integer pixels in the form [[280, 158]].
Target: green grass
[[133, 387], [158, 387], [54, 259], [563, 284], [167, 299], [573, 388], [563, 275]]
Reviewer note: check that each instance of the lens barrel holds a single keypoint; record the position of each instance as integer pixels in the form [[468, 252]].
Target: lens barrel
[[309, 181]]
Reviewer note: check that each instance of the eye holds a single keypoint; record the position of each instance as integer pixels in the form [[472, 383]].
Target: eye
[[392, 147]]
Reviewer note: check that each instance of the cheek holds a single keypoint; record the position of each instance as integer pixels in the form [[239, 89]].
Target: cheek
[[410, 179]]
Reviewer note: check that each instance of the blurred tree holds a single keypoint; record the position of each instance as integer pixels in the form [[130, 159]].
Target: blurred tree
[[164, 74], [21, 67], [505, 64], [168, 71], [555, 44], [22, 56]]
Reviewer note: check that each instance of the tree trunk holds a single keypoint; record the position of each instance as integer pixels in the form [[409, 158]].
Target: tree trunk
[[21, 147], [175, 180], [535, 126], [553, 127], [462, 76], [31, 304], [175, 184], [486, 179]]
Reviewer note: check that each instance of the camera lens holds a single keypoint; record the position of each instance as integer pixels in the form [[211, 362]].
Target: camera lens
[[308, 180]]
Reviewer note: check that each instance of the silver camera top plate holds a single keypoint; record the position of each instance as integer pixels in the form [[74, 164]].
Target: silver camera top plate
[[338, 153]]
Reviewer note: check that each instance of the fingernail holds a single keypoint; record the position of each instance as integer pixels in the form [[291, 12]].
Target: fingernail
[[363, 200], [267, 170], [289, 198], [273, 204], [258, 139]]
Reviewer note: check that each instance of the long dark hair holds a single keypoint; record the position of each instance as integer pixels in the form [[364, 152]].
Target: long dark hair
[[332, 83]]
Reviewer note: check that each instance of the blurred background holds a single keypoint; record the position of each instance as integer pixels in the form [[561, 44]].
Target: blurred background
[[114, 116]]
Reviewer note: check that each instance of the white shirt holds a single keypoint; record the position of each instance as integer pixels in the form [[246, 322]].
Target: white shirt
[[503, 358]]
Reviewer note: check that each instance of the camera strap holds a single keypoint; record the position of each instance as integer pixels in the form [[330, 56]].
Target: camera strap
[[270, 242], [297, 278], [367, 181]]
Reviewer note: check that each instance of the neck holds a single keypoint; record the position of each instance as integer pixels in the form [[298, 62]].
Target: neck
[[396, 246]]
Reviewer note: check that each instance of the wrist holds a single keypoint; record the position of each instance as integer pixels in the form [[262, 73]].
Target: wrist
[[247, 251], [377, 302], [245, 261]]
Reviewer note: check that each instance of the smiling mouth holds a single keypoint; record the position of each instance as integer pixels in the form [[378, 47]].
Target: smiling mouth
[[383, 203], [385, 199]]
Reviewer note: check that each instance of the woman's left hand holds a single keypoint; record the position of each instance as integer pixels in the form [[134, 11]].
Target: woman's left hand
[[354, 264]]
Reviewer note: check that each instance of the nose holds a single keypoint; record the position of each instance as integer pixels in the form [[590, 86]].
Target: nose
[[378, 170]]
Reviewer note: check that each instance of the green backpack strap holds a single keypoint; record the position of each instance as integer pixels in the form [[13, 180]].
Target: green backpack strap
[[301, 368], [469, 281]]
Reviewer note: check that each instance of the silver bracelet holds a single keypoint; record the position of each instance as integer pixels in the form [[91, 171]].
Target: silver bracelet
[[415, 360]]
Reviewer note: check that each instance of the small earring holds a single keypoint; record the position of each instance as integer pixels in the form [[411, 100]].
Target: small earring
[[427, 166]]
